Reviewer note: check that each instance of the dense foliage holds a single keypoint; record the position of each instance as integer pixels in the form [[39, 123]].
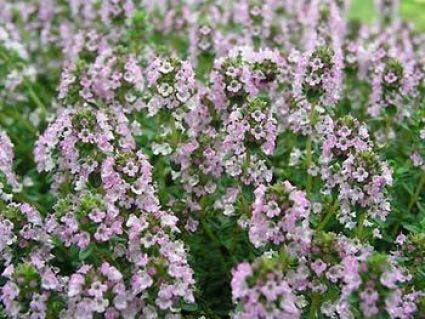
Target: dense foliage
[[210, 159]]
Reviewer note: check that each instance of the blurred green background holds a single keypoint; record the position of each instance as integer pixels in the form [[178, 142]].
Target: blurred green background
[[411, 10]]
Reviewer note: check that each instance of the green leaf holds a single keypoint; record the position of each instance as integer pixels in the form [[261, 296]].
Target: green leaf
[[411, 228], [86, 252], [190, 307], [408, 188]]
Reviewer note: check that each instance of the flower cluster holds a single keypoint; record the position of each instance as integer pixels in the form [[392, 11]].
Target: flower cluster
[[349, 164], [393, 91], [256, 18], [247, 127], [23, 234], [199, 161], [317, 76], [244, 72], [123, 216], [263, 294], [280, 214], [204, 35], [172, 83], [271, 150], [31, 285], [368, 282], [16, 69], [32, 291], [109, 79], [78, 140], [6, 161]]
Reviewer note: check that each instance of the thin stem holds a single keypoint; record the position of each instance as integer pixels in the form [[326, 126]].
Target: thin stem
[[28, 86], [35, 97], [387, 129], [315, 302], [309, 158], [213, 239], [244, 209], [415, 196], [4, 56], [309, 154], [20, 119], [328, 216], [360, 225], [174, 132]]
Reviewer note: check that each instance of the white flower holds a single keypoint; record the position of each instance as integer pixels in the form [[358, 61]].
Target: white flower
[[165, 89], [166, 67]]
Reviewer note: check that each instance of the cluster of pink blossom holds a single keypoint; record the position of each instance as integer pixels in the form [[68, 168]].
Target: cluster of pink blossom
[[23, 234], [147, 273], [84, 43], [263, 294], [146, 144], [244, 72], [282, 24], [317, 76], [281, 285], [31, 282], [169, 16], [54, 23], [256, 18], [78, 140], [313, 87], [393, 86], [16, 69], [6, 162], [150, 269], [205, 37], [172, 83], [245, 127], [349, 164], [371, 283], [109, 79], [228, 133], [31, 291], [115, 208], [411, 247], [35, 21], [199, 159], [280, 214]]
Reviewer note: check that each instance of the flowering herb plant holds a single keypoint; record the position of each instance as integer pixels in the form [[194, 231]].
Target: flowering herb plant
[[210, 159]]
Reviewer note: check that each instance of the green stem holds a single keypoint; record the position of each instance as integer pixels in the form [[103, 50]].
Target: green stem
[[360, 225], [20, 119], [309, 158], [387, 129], [328, 216], [244, 208], [314, 307], [309, 155], [174, 132], [35, 97], [415, 196], [4, 56], [28, 86], [213, 239]]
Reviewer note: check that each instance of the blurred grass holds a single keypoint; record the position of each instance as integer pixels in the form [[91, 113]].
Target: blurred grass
[[411, 11]]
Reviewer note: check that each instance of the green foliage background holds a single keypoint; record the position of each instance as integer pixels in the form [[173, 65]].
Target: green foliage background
[[212, 254], [411, 10]]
